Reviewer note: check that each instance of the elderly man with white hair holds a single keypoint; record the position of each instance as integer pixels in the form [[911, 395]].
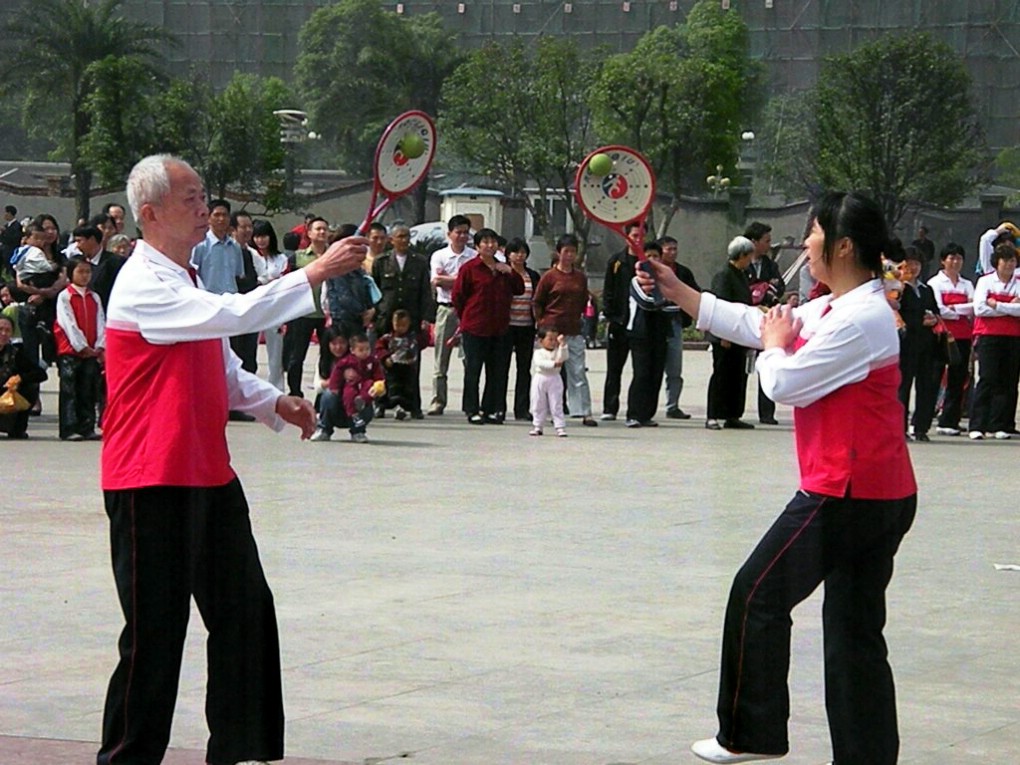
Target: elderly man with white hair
[[727, 388], [179, 524]]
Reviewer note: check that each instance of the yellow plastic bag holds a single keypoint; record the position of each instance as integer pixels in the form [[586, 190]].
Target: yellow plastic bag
[[10, 400]]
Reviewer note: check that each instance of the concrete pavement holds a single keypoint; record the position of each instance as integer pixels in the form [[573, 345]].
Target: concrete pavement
[[495, 599]]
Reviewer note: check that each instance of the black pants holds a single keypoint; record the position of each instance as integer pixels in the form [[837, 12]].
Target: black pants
[[169, 544], [648, 362], [79, 395], [402, 387], [956, 381], [295, 349], [766, 406], [849, 545], [247, 349], [617, 350], [918, 369], [521, 347], [727, 387], [995, 396], [488, 353]]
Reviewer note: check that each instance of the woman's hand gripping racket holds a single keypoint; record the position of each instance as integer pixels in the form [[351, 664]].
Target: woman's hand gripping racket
[[402, 159], [615, 186]]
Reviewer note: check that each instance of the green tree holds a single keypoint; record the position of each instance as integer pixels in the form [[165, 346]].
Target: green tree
[[244, 146], [57, 47], [681, 98], [786, 147], [231, 138], [360, 66], [119, 109], [520, 115], [896, 118]]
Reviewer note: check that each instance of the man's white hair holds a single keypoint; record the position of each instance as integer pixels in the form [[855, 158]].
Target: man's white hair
[[149, 181]]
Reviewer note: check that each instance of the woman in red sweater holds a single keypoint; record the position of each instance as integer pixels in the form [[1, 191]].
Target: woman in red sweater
[[481, 296]]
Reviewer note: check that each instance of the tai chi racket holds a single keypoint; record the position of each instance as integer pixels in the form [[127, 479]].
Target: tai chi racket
[[402, 159], [615, 186]]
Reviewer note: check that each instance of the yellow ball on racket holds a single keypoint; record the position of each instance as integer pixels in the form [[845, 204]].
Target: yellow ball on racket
[[600, 165], [412, 146]]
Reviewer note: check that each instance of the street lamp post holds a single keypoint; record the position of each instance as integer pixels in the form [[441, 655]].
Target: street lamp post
[[717, 182], [293, 131]]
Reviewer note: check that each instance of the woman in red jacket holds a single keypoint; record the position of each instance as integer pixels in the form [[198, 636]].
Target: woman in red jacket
[[481, 296]]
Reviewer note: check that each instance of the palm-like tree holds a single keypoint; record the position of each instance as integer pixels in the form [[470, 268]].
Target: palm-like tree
[[55, 47]]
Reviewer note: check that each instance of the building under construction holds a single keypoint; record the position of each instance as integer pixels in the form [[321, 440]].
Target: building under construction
[[789, 36]]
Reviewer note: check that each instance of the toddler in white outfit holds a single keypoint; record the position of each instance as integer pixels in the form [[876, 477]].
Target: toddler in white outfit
[[546, 383]]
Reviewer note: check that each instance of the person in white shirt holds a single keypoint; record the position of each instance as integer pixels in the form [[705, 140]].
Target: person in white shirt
[[1004, 232], [954, 296], [997, 329], [444, 266], [270, 264], [179, 521], [834, 361]]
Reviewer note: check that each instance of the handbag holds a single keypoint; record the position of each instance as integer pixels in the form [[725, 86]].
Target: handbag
[[949, 353], [10, 400]]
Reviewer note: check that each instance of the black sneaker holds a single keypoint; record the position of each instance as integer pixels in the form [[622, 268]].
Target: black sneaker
[[677, 414]]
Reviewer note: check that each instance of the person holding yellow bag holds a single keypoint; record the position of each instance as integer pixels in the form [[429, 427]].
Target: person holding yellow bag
[[16, 367]]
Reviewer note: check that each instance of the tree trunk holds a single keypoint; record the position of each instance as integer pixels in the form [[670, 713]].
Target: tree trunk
[[420, 198], [82, 190]]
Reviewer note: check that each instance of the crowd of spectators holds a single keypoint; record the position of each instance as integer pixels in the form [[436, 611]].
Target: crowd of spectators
[[479, 301]]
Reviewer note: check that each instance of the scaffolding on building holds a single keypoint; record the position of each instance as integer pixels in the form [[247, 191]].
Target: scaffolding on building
[[790, 37]]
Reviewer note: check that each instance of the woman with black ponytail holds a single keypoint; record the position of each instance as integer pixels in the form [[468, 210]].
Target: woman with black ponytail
[[835, 361]]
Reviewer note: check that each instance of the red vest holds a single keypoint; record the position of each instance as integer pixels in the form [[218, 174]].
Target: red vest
[[166, 413]]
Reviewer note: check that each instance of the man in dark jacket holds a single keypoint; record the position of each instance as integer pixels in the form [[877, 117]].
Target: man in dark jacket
[[616, 308], [675, 344], [767, 288], [918, 345], [403, 279]]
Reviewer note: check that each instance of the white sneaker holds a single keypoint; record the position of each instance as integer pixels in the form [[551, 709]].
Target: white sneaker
[[1002, 435], [948, 431], [252, 762], [975, 435], [561, 432], [607, 417], [359, 438], [320, 435], [535, 432], [711, 750]]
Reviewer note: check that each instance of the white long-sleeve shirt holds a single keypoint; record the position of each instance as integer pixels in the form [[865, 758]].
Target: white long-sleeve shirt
[[171, 374], [544, 362], [842, 377]]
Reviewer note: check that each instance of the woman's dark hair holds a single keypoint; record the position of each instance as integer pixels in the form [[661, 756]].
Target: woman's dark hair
[[567, 240], [518, 245], [265, 228], [894, 250], [326, 360], [1004, 251], [57, 255], [952, 248], [857, 217]]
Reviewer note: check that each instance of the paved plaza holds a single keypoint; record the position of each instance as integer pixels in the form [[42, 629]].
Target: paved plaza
[[451, 594]]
